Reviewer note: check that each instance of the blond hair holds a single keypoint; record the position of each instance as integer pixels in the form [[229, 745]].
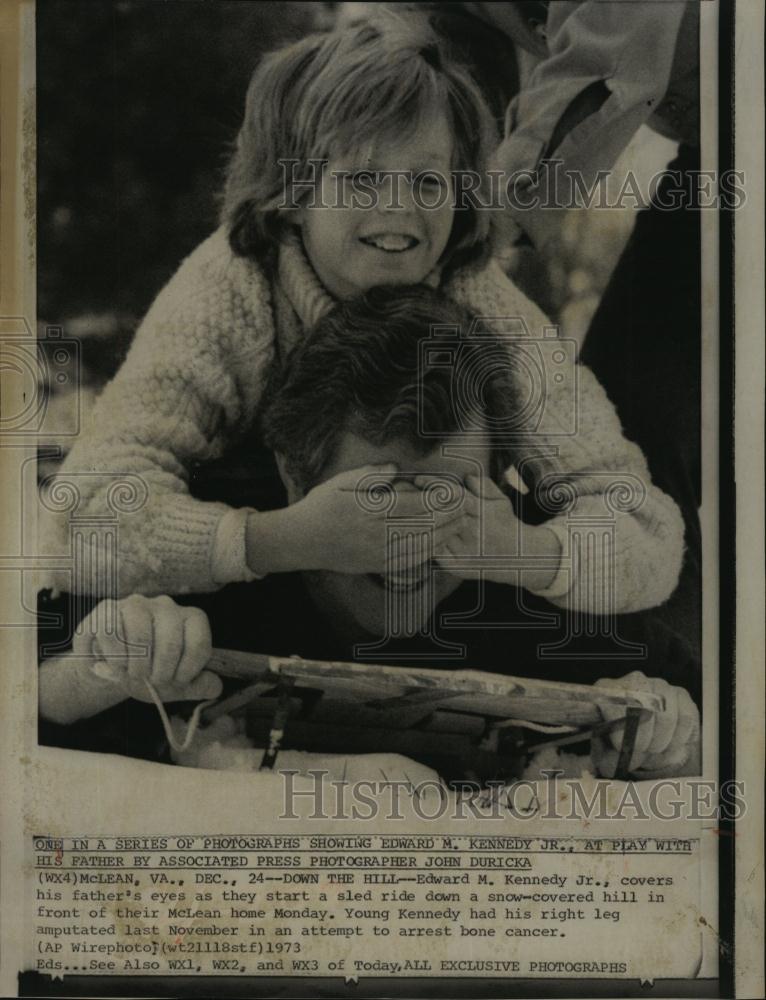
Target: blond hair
[[335, 92]]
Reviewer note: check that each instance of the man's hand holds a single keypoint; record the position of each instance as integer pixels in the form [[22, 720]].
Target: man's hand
[[489, 534], [139, 638], [343, 524], [667, 743]]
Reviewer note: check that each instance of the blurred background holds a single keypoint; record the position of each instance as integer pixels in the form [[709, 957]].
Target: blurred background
[[138, 104]]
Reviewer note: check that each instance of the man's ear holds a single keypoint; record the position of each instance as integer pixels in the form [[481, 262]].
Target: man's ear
[[294, 490]]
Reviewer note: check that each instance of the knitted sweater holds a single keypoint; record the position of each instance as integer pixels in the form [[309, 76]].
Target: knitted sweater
[[195, 373]]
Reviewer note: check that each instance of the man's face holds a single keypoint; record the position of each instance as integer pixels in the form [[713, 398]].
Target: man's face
[[377, 605]]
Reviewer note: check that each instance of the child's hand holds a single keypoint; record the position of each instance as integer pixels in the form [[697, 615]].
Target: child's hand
[[667, 743], [490, 533], [488, 517], [137, 639], [340, 529]]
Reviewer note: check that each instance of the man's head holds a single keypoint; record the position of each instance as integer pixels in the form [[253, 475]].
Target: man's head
[[394, 376]]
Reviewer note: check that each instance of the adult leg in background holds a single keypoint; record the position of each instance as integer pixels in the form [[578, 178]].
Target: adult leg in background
[[644, 346]]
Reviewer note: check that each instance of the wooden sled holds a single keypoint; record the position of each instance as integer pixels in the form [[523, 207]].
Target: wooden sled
[[481, 725]]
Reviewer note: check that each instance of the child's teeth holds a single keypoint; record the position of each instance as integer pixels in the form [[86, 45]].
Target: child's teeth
[[391, 241]]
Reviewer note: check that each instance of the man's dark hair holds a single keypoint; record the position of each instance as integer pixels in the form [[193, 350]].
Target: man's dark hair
[[396, 362]]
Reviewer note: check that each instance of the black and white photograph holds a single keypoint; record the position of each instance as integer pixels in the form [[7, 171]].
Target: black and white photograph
[[379, 440]]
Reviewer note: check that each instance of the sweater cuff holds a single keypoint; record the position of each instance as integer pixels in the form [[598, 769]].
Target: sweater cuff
[[568, 569], [229, 563]]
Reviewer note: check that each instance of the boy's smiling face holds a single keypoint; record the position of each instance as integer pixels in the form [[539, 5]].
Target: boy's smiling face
[[370, 604], [400, 240]]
